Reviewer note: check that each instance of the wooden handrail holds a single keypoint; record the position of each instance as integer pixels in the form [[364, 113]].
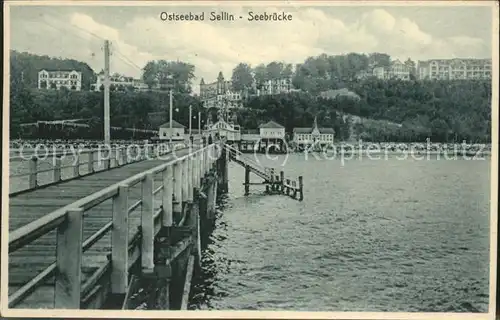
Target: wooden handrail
[[70, 244], [62, 153], [57, 167], [239, 153], [30, 232]]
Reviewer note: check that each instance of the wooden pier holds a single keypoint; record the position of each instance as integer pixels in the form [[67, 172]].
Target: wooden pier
[[275, 184], [93, 240]]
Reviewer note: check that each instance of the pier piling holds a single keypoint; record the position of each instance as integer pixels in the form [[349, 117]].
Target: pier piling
[[301, 189], [247, 180]]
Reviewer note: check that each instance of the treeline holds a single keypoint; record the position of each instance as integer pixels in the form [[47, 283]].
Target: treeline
[[141, 110], [315, 74], [441, 110], [24, 68], [444, 111]]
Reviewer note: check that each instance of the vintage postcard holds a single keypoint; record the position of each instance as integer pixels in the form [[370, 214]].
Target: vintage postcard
[[292, 159]]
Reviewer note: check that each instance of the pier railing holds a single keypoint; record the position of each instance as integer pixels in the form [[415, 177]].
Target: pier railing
[[274, 183], [239, 157], [178, 179], [49, 169]]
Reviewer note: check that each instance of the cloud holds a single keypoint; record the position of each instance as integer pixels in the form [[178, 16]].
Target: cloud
[[219, 46]]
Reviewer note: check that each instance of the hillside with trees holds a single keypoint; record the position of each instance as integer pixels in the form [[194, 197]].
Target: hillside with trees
[[142, 110], [442, 110], [445, 111], [176, 75], [24, 68], [128, 109]]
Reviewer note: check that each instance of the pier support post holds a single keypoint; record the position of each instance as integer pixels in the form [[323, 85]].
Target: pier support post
[[177, 201], [147, 225], [301, 189], [247, 180], [224, 170], [196, 215], [214, 193]]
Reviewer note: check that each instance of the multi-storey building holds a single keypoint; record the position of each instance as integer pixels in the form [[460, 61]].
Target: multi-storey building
[[397, 70], [119, 82], [364, 74], [454, 69], [219, 94], [57, 79], [212, 90], [275, 86]]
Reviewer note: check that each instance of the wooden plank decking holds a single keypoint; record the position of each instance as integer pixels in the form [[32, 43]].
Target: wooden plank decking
[[24, 208]]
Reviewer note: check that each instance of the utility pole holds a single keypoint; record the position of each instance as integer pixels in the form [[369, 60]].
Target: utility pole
[[170, 115], [190, 118], [107, 134], [199, 123]]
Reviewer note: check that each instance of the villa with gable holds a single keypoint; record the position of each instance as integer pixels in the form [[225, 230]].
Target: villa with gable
[[229, 130], [314, 135]]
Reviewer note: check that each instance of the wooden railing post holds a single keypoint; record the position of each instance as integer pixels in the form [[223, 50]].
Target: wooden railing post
[[57, 168], [201, 154], [178, 189], [301, 189], [167, 206], [76, 165], [199, 169], [194, 174], [147, 224], [90, 163], [33, 172], [107, 162], [190, 182], [69, 257], [206, 164], [185, 172], [247, 180], [123, 153], [117, 157], [119, 242], [282, 181]]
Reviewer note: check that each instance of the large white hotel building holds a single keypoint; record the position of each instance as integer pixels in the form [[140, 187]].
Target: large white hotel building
[[454, 69]]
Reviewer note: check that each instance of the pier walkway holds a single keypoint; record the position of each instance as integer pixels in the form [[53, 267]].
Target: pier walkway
[[88, 242], [28, 206]]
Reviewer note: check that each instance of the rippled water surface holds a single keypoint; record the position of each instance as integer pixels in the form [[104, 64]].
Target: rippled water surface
[[387, 235]]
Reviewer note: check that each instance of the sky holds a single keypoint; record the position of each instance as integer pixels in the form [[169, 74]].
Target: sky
[[137, 34]]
